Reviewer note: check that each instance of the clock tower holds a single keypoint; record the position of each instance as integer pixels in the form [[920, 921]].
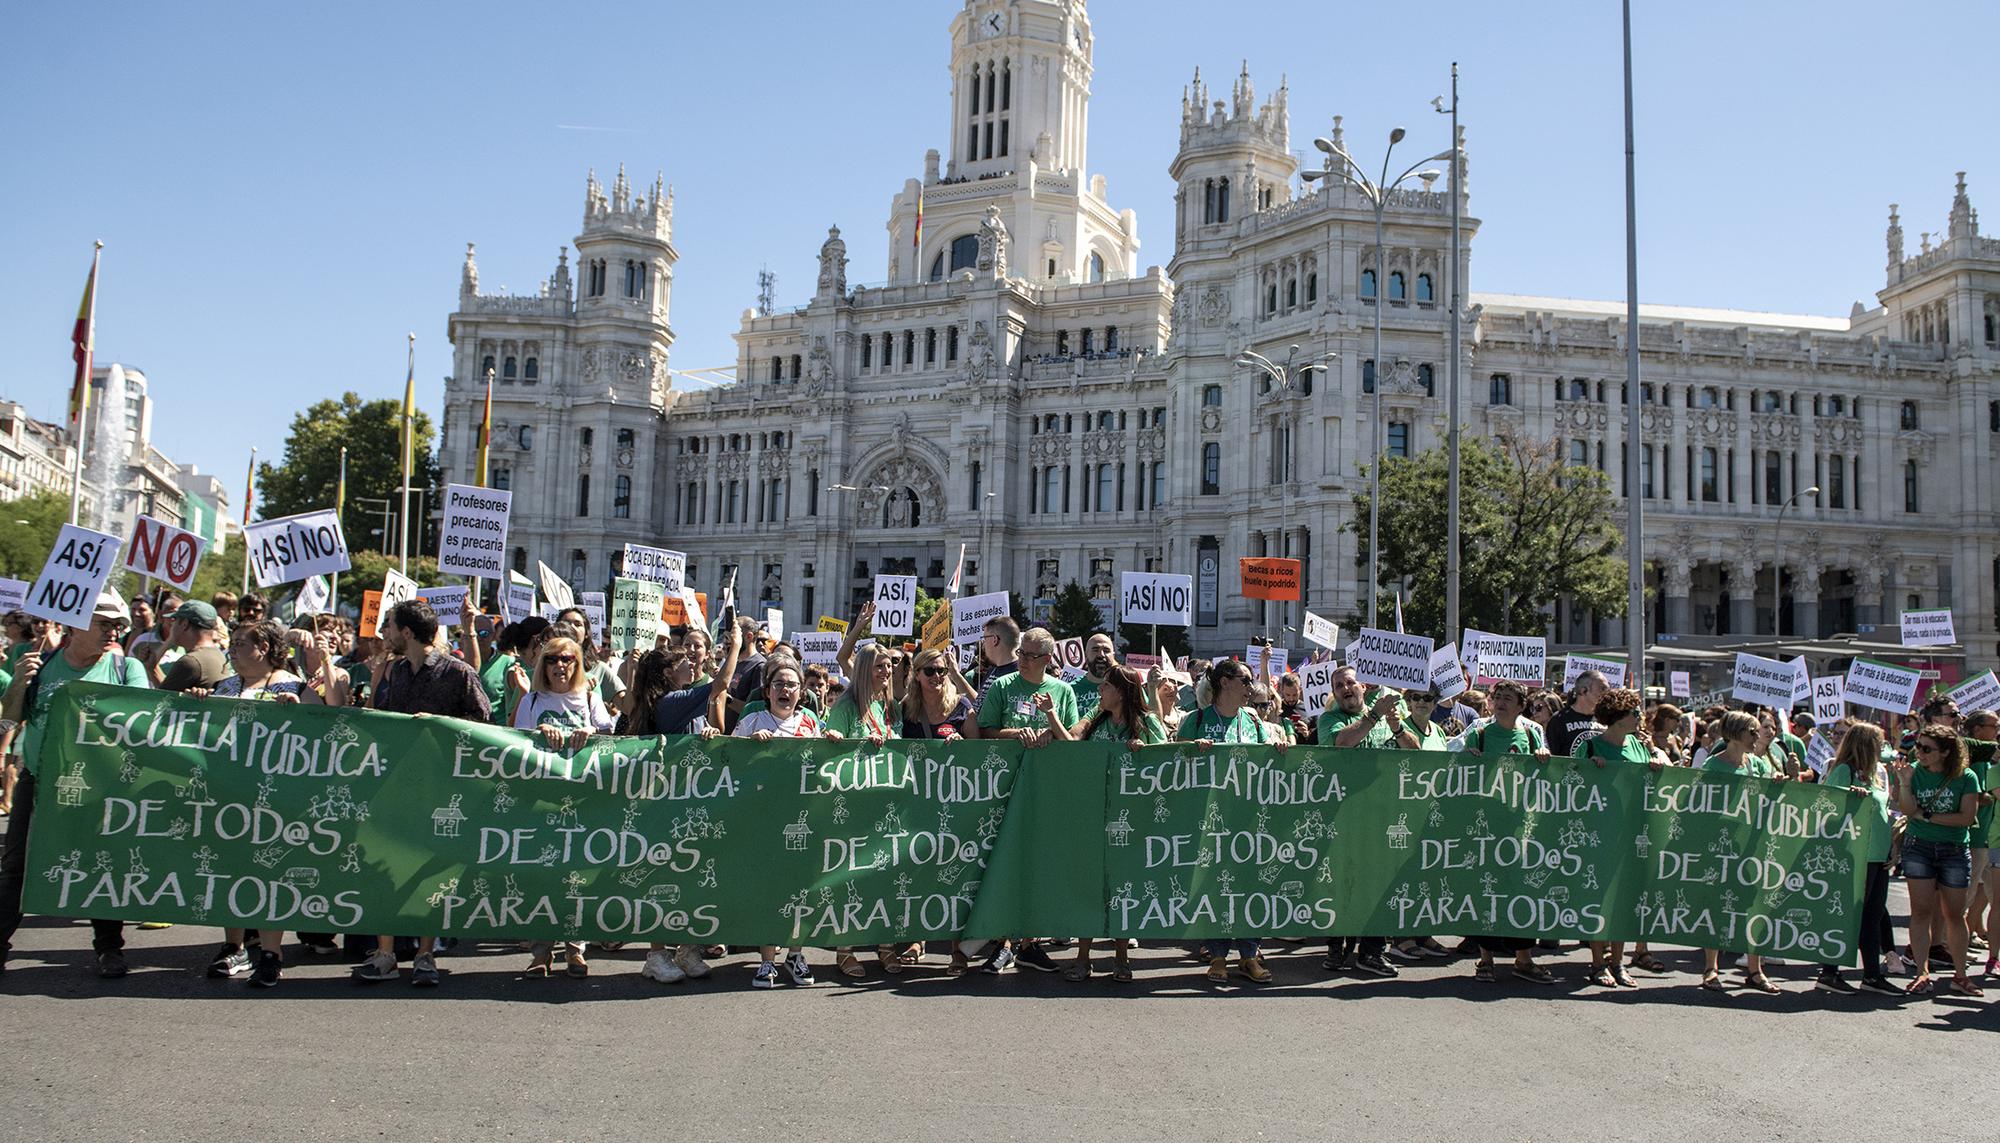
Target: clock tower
[[1020, 86]]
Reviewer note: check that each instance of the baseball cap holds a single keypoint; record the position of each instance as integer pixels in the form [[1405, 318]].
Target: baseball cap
[[198, 615], [110, 605]]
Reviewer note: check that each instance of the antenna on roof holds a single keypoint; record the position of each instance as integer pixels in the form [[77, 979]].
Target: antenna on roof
[[767, 291]]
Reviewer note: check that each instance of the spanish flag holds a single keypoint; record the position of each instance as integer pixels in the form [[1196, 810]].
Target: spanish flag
[[486, 430], [917, 243], [410, 412], [83, 339]]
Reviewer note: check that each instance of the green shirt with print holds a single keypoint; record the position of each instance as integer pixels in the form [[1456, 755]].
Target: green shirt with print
[[849, 721], [56, 674], [1935, 793], [1381, 736], [1010, 703], [1151, 731], [1842, 777], [1630, 750], [1209, 723], [1493, 739], [1087, 690]]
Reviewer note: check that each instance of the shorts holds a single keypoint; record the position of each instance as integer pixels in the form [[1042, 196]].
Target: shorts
[[1947, 863]]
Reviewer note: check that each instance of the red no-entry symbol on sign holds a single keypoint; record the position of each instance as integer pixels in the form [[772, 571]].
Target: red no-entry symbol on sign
[[164, 552]]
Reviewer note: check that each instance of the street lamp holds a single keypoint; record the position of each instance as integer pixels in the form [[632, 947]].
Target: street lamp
[[1778, 558], [1286, 377], [1377, 194]]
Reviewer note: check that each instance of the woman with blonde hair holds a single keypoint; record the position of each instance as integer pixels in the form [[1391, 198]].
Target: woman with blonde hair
[[564, 710], [1739, 750], [1857, 769], [937, 699]]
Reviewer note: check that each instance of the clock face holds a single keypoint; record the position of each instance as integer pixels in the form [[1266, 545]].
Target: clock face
[[994, 23]]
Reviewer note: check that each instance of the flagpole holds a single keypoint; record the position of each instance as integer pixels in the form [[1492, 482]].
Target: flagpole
[[339, 508], [85, 339], [249, 494], [409, 447], [484, 473]]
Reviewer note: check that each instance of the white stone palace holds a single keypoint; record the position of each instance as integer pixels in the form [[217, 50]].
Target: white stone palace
[[1022, 386]]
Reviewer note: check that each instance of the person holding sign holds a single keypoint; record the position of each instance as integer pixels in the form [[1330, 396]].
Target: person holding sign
[[1356, 721], [1940, 797], [1742, 752], [782, 717], [1617, 713], [1857, 769], [92, 655]]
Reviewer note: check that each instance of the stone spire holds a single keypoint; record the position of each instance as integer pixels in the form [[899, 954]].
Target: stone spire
[[1964, 220], [1895, 244], [559, 284], [593, 195], [468, 278], [621, 192]]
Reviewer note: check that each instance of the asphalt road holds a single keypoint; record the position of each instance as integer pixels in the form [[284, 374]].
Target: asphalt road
[[168, 1054]]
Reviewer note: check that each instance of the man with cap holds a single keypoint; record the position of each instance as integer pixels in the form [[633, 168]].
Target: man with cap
[[89, 655], [196, 630]]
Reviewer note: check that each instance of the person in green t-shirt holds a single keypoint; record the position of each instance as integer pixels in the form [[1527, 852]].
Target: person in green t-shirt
[[1420, 704], [1510, 731], [1355, 718], [1100, 656], [1982, 747], [1120, 717], [869, 709], [1739, 751], [1229, 716], [493, 675], [1857, 768], [1940, 797], [1615, 738]]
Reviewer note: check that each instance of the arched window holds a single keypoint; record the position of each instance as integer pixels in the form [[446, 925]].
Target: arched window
[[485, 365], [902, 509], [1397, 287], [1500, 390], [1424, 288], [525, 437], [621, 497], [777, 368], [1312, 288], [1006, 85], [1211, 469], [1211, 396], [1271, 299], [909, 347], [1222, 200], [1208, 200], [1427, 377], [508, 370], [1367, 283], [632, 278], [798, 363], [930, 345], [1096, 266], [1368, 376], [583, 495], [964, 252], [501, 477], [531, 369], [868, 347], [1291, 293], [951, 343]]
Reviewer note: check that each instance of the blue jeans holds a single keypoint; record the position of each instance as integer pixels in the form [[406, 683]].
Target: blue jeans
[[1949, 864], [1219, 949]]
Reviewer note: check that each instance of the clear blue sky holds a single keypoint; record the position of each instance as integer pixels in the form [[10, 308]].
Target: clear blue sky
[[284, 191]]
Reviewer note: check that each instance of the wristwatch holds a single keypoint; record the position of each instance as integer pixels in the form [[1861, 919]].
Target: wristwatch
[[1927, 814]]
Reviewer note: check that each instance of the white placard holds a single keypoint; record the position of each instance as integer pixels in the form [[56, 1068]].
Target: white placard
[[895, 605], [1801, 681], [1765, 682], [822, 647], [635, 613], [1156, 597], [691, 602], [592, 603], [1980, 692], [66, 591], [1387, 659], [1819, 753], [1613, 670], [1321, 630], [1253, 657], [293, 547], [446, 601], [661, 565], [970, 615], [555, 588], [13, 593], [1928, 628], [1316, 686], [1447, 673], [396, 587], [1829, 699], [1679, 685], [164, 552], [472, 538], [314, 598], [517, 601], [1069, 654], [1882, 686], [774, 624], [1516, 658]]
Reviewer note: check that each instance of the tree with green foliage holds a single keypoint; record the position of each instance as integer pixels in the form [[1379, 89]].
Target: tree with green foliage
[[371, 431], [1138, 640], [28, 530], [1018, 608], [1531, 530], [1074, 615]]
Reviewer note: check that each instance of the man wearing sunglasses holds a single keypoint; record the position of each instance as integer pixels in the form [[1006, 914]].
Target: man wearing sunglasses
[[91, 655]]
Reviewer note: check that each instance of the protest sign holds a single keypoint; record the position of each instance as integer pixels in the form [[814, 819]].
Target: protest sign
[[635, 613], [895, 605], [1765, 682], [1613, 670], [829, 623], [1679, 685], [663, 566], [446, 601], [937, 629], [1385, 658], [969, 616], [555, 589], [822, 647], [371, 613], [1801, 681], [1316, 686], [164, 552], [1156, 597], [1321, 631], [1069, 654], [689, 609], [1253, 657], [13, 593], [73, 576], [1980, 692], [293, 547], [1269, 577], [472, 535], [1707, 699], [1447, 673], [774, 624], [517, 599], [592, 603], [315, 597], [396, 587], [1819, 753], [1516, 658], [1882, 686], [1928, 628], [1829, 699]]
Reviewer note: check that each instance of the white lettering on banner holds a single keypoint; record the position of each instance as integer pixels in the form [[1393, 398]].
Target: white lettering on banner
[[315, 594], [1253, 657], [555, 588], [517, 600], [396, 588], [1980, 692], [472, 537], [294, 547], [822, 647], [1829, 699], [1819, 753], [592, 603], [1928, 628], [1515, 658], [635, 613], [1389, 659], [1765, 682], [895, 605], [661, 565], [1679, 685], [446, 601], [1069, 654], [164, 552], [1316, 686], [1321, 630], [66, 591], [13, 593], [1156, 597], [1447, 673], [969, 615], [1882, 686], [1612, 669]]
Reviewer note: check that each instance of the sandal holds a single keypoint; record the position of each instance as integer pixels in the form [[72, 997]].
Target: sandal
[[1483, 972], [1535, 974], [1761, 983], [544, 960], [1121, 968], [1622, 978], [1965, 987], [1078, 972], [1921, 986], [1601, 977], [850, 966], [1713, 982], [913, 955], [959, 964], [1647, 962], [892, 962]]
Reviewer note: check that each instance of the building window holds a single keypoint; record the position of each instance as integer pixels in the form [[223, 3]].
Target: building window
[[625, 438], [1106, 485], [1424, 293], [520, 559], [1909, 416], [867, 351], [502, 477], [1579, 454], [950, 343], [1646, 471], [1271, 299], [1368, 376], [1110, 339], [525, 437], [1291, 293], [1910, 486], [909, 347], [1836, 481], [1211, 469], [486, 366], [1774, 492], [1096, 266], [583, 495], [1312, 288], [1222, 200], [1211, 396], [1427, 377], [1367, 283], [596, 277], [1398, 290], [1500, 389], [1157, 494], [508, 370], [930, 346], [798, 365], [1399, 439], [621, 498], [1089, 341], [1709, 490]]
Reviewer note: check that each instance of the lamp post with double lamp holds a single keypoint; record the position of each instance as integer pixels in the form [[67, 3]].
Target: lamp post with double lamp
[[1286, 378], [1778, 559], [1377, 193]]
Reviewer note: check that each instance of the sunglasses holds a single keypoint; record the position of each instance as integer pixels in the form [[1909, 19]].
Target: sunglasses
[[1036, 655], [565, 660], [934, 672], [1927, 748]]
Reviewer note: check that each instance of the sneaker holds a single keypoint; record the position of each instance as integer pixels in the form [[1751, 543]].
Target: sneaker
[[321, 948], [798, 970], [1404, 953], [424, 971], [661, 967], [766, 976], [1430, 948], [1833, 982], [1218, 970], [689, 961], [230, 960], [1337, 962], [998, 961], [1032, 956], [379, 966], [111, 964], [1057, 943], [269, 968], [1373, 965], [1881, 984], [1254, 971]]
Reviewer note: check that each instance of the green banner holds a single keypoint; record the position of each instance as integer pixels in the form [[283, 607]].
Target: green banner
[[157, 807]]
